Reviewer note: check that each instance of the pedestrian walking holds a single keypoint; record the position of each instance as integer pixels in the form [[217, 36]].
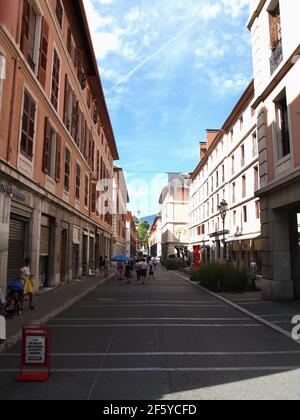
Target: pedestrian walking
[[137, 269], [128, 271], [155, 263], [151, 270], [253, 271], [101, 264], [144, 269], [106, 264], [121, 270], [27, 277]]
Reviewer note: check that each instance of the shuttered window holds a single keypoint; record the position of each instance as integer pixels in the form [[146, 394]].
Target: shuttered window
[[67, 169], [93, 198], [58, 159], [51, 151], [55, 80], [78, 181], [28, 126], [43, 52], [86, 191], [59, 11]]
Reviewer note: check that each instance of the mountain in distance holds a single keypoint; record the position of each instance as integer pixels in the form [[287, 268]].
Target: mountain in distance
[[148, 219]]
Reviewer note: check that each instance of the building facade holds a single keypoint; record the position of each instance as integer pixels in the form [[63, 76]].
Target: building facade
[[228, 171], [119, 214], [56, 143], [174, 201], [275, 34], [131, 236], [155, 245]]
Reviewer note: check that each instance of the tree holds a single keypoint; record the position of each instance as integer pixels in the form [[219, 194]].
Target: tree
[[143, 232]]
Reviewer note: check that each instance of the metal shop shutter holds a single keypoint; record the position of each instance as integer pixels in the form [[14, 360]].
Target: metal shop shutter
[[16, 248]]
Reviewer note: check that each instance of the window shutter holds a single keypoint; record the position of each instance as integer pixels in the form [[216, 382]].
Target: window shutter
[[78, 58], [24, 44], [47, 147], [58, 159], [74, 116], [66, 104], [43, 52]]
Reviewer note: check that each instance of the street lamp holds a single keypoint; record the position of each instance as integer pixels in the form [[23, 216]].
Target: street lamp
[[223, 209]]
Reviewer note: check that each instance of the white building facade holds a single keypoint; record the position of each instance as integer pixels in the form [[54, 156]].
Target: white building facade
[[228, 170]]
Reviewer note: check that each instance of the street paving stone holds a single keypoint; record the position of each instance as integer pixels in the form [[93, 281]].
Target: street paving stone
[[165, 340]]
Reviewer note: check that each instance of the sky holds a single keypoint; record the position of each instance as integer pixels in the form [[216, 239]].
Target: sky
[[170, 69]]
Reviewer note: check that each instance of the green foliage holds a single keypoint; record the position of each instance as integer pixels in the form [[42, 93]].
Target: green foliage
[[143, 232], [173, 264], [221, 278]]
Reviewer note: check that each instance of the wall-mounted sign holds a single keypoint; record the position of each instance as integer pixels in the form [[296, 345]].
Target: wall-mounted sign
[[13, 193]]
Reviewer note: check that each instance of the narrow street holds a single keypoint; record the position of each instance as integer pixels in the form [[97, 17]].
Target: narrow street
[[164, 340]]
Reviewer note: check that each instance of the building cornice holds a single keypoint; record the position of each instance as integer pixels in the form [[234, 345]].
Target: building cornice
[[232, 118], [255, 14], [279, 76]]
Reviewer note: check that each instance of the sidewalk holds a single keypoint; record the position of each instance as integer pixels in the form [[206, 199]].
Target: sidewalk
[[278, 315], [49, 305]]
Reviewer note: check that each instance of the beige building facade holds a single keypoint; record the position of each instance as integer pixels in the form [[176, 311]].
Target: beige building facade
[[275, 33]]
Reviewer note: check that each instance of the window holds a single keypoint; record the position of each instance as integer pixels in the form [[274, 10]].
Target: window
[[275, 37], [257, 209], [59, 11], [55, 80], [234, 218], [78, 182], [233, 193], [241, 120], [51, 153], [67, 169], [256, 178], [232, 165], [98, 165], [70, 109], [86, 191], [34, 40], [242, 156], [223, 174], [231, 135], [244, 186], [245, 214], [93, 197], [254, 144], [282, 125], [28, 126]]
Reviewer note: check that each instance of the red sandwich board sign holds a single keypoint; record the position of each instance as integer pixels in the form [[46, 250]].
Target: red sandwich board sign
[[35, 357]]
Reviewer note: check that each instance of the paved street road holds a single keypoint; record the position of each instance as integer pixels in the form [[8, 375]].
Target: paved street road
[[164, 340]]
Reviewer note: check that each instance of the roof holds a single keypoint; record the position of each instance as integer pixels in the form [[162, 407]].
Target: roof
[[232, 118], [93, 73]]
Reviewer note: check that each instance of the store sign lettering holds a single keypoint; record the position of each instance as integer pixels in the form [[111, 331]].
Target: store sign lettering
[[11, 192]]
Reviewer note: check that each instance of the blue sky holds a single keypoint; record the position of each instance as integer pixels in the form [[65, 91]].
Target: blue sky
[[170, 70]]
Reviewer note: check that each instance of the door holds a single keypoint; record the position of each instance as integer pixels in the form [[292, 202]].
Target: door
[[64, 256], [16, 248]]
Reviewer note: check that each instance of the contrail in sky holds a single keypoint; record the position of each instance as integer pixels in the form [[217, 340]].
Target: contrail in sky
[[156, 53]]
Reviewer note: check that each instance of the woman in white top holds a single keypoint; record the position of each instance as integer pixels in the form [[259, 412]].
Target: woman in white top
[[26, 276]]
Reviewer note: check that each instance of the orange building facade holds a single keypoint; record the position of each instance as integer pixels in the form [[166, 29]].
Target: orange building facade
[[56, 144]]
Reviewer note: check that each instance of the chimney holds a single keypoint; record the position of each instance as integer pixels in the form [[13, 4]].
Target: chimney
[[210, 136], [203, 150]]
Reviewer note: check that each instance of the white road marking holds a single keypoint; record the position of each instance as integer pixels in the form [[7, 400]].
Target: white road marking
[[151, 306], [170, 369], [156, 325], [148, 319], [131, 354]]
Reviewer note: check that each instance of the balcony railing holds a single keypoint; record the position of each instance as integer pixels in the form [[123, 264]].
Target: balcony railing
[[277, 57]]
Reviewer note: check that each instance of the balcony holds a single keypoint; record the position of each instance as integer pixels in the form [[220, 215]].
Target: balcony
[[277, 57]]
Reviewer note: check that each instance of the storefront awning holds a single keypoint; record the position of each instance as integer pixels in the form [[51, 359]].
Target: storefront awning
[[248, 237]]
